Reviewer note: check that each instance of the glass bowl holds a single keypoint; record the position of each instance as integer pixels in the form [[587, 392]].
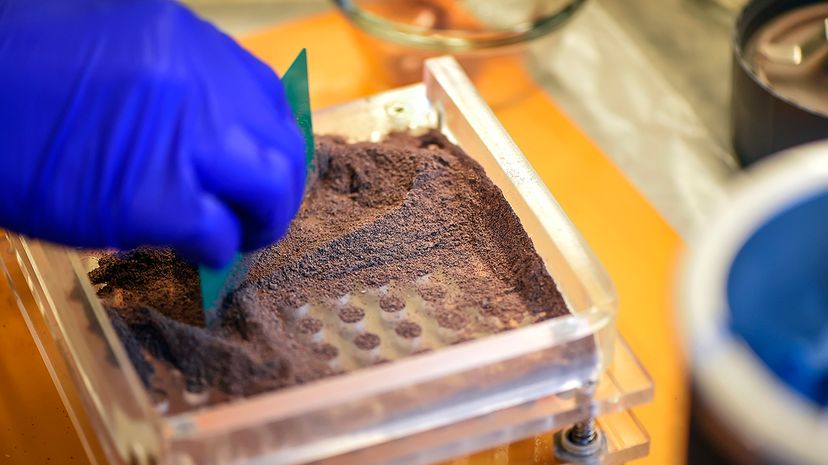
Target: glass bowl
[[397, 37], [455, 26]]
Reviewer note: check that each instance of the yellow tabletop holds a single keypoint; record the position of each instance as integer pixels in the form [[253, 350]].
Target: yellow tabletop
[[632, 240], [34, 426]]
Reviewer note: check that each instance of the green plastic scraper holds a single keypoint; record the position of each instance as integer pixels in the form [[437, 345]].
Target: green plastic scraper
[[215, 284]]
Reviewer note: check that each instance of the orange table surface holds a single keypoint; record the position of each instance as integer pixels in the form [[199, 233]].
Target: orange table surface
[[632, 240]]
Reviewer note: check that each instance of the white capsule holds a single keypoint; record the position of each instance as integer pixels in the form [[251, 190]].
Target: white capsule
[[408, 335], [393, 317], [450, 326], [310, 329], [392, 308], [367, 347], [351, 320], [330, 354]]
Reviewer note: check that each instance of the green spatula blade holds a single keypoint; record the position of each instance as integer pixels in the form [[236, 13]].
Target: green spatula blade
[[295, 81], [216, 283]]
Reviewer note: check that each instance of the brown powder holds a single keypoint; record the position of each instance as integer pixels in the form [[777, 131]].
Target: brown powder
[[367, 341], [291, 301], [452, 320], [326, 351], [391, 302], [433, 292], [405, 211], [408, 329], [152, 279], [350, 314], [309, 325]]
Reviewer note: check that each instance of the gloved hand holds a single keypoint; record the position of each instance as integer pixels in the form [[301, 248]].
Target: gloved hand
[[133, 122]]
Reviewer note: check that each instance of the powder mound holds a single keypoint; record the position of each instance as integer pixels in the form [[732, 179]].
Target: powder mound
[[413, 212], [151, 278]]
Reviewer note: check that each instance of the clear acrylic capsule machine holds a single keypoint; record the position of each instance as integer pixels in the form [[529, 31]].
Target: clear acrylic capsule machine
[[415, 411]]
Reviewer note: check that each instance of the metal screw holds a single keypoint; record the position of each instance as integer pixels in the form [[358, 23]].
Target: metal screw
[[581, 443], [584, 433]]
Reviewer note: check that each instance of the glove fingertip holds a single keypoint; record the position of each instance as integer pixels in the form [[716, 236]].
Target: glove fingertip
[[218, 237], [257, 239], [209, 257], [293, 175]]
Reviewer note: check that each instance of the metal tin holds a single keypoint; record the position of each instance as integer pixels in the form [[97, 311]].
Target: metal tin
[[765, 120]]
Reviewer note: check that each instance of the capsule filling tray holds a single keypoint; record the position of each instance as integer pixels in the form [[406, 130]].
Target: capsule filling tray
[[416, 410]]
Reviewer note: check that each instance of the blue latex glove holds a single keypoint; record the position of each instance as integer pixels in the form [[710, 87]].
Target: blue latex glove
[[134, 122]]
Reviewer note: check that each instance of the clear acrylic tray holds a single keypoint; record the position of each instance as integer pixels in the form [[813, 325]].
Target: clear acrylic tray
[[417, 410]]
